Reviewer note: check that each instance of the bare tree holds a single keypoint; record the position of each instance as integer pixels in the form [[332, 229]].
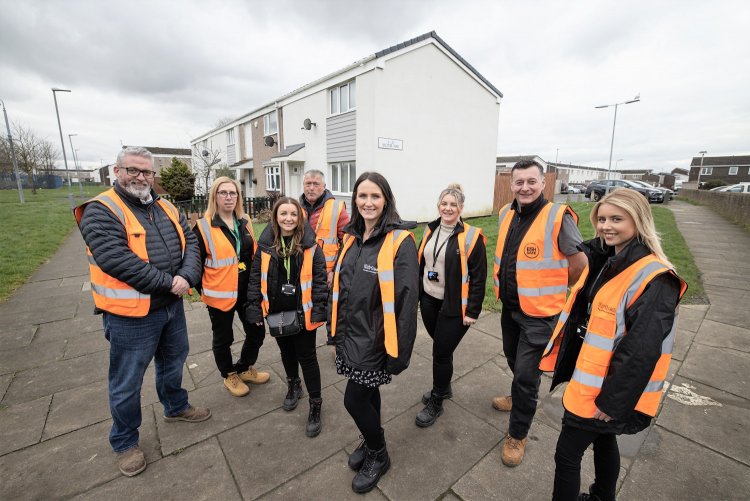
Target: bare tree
[[49, 154], [205, 157], [6, 163], [223, 121], [28, 151]]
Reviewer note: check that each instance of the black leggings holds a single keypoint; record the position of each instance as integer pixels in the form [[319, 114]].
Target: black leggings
[[297, 350], [446, 332], [571, 445], [363, 405]]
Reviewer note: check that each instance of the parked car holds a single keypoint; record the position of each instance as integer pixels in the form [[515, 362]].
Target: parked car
[[596, 189], [736, 188], [576, 188], [668, 194]]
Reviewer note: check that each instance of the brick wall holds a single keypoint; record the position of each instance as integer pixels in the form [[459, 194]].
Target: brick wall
[[733, 206]]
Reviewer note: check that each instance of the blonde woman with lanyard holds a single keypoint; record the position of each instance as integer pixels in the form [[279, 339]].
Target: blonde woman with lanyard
[[227, 246], [289, 275]]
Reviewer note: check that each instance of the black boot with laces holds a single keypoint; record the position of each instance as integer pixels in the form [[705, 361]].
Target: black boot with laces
[[431, 412], [314, 424], [293, 394], [375, 465]]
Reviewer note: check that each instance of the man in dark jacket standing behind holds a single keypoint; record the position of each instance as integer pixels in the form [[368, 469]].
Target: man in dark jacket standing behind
[[142, 259]]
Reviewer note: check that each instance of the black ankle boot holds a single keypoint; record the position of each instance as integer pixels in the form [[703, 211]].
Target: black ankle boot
[[357, 458], [447, 395], [313, 419], [293, 394], [431, 412], [375, 465]]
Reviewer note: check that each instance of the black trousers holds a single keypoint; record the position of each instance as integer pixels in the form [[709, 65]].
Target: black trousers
[[299, 350], [571, 445], [363, 405], [446, 333], [524, 340], [221, 325]]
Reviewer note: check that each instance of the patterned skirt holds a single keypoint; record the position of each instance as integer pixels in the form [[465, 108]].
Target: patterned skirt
[[371, 379]]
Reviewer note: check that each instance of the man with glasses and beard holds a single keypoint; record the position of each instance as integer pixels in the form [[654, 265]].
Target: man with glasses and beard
[[142, 259]]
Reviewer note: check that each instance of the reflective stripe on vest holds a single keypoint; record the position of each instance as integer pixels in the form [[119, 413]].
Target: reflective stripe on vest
[[606, 328], [326, 230], [305, 278], [386, 258], [541, 268], [467, 240], [220, 269], [110, 294]]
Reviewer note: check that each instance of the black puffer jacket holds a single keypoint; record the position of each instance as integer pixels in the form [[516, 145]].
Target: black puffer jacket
[[106, 238], [253, 309], [477, 265], [360, 336]]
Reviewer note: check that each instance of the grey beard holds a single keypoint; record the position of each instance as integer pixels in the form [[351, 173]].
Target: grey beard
[[143, 195]]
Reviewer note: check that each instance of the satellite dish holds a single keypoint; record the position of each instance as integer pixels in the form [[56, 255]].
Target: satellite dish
[[307, 124], [269, 141], [205, 153]]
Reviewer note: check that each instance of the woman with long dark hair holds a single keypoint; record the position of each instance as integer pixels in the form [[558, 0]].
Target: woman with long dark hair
[[289, 275], [374, 315], [613, 342]]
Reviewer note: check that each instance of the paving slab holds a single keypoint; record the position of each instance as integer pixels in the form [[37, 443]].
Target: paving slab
[[202, 369], [489, 324], [5, 381], [683, 341], [722, 368], [327, 480], [85, 344], [425, 462], [22, 424], [40, 315], [475, 349], [721, 335], [16, 337], [730, 313], [83, 327], [710, 417], [259, 451], [69, 464], [200, 472], [22, 358], [691, 316], [77, 408], [671, 467], [474, 391]]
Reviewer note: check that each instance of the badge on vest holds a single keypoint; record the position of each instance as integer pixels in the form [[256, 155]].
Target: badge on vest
[[241, 266], [531, 250]]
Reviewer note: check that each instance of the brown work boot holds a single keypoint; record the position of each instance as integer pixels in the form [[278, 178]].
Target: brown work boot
[[513, 451], [233, 383], [504, 404], [253, 376], [191, 415], [131, 462]]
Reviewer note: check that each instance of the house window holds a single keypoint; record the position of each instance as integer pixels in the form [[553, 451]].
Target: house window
[[733, 171], [270, 123], [343, 98], [707, 171], [230, 137], [343, 177], [273, 178]]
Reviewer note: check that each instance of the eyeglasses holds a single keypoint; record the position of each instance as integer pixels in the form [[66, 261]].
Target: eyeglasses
[[227, 194], [133, 172]]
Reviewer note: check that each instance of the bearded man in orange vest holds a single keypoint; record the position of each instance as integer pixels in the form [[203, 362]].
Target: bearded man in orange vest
[[328, 217], [142, 259], [536, 258]]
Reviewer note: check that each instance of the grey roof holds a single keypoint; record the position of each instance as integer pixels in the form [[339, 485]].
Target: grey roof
[[573, 166], [158, 150], [292, 148], [516, 158], [677, 170], [730, 160]]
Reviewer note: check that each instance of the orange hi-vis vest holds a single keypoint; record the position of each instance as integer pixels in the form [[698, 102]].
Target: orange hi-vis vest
[[326, 230], [541, 268], [220, 269], [386, 257], [305, 280], [606, 328], [467, 239], [110, 294]]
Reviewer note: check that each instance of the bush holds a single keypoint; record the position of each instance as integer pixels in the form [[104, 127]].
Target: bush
[[714, 183], [263, 216], [178, 180]]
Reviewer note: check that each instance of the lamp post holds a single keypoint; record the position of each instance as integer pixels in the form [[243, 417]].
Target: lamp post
[[62, 142], [636, 99], [13, 155], [703, 154]]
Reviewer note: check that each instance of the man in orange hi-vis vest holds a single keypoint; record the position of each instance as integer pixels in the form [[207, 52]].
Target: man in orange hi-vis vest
[[142, 259], [328, 217], [535, 260]]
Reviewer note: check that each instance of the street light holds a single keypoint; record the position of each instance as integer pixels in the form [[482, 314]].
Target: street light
[[636, 99], [62, 142], [703, 154], [13, 155]]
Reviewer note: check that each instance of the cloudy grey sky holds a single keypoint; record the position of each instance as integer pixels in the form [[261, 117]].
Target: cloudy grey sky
[[161, 73]]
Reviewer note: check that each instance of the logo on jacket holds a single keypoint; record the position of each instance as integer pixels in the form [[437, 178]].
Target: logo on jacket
[[604, 308], [370, 268], [531, 250]]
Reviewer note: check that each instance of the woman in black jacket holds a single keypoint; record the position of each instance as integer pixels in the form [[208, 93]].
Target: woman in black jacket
[[374, 315], [613, 342], [286, 246], [451, 251]]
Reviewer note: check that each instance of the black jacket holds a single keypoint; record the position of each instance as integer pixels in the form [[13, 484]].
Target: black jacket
[[647, 322], [106, 238], [246, 254], [360, 335], [253, 310], [477, 265]]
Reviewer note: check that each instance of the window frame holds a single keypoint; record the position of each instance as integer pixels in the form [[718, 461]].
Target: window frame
[[273, 177], [267, 123], [736, 171], [351, 93], [707, 171], [335, 170]]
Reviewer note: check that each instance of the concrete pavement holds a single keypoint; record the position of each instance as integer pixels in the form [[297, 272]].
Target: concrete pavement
[[55, 418]]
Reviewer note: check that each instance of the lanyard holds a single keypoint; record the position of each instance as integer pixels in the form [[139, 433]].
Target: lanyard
[[436, 250], [236, 234], [287, 258]]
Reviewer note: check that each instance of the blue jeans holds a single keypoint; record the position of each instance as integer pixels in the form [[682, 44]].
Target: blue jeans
[[134, 342]]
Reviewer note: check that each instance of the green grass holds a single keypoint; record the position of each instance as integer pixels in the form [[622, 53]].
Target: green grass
[[32, 232]]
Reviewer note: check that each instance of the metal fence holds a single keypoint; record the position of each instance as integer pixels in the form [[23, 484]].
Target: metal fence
[[197, 205]]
